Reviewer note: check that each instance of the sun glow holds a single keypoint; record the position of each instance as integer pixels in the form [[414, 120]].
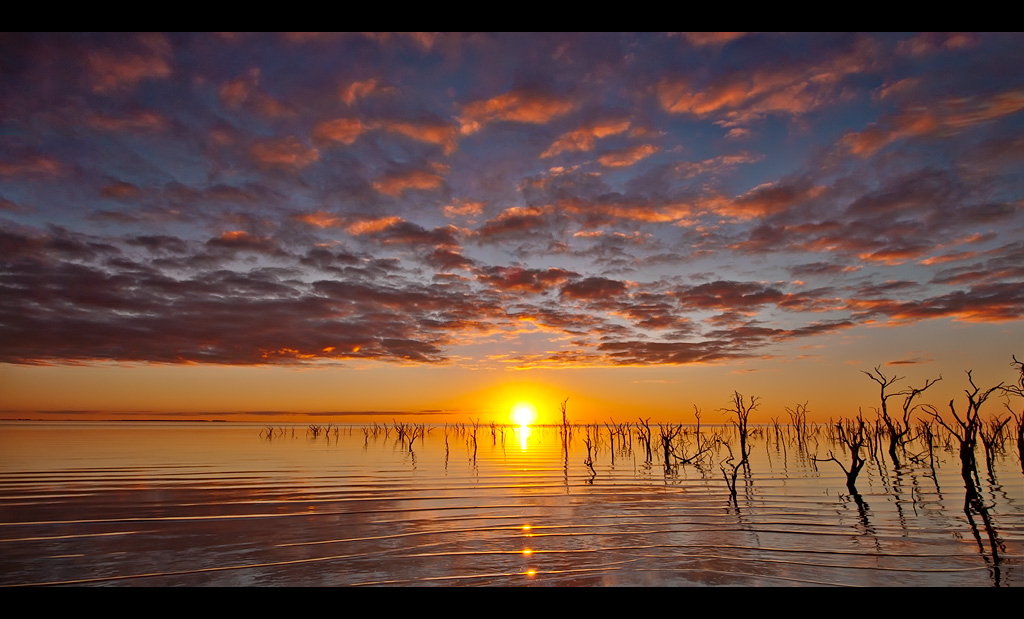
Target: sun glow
[[523, 413]]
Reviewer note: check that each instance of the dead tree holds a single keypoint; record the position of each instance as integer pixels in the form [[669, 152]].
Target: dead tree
[[566, 428], [897, 430], [992, 439], [703, 446], [643, 431], [1017, 390], [965, 429], [798, 419], [742, 409], [590, 460], [850, 434], [668, 435], [730, 477]]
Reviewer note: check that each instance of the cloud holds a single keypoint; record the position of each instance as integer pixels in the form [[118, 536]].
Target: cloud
[[352, 92], [519, 279], [627, 156], [130, 311], [370, 226], [441, 134], [463, 209], [938, 119], [769, 199], [31, 165], [137, 58], [719, 164], [141, 120], [932, 42], [397, 183], [343, 130], [593, 288], [584, 138], [711, 39], [794, 88], [320, 219], [120, 191], [288, 152], [727, 295], [245, 93], [516, 106], [986, 302], [515, 221]]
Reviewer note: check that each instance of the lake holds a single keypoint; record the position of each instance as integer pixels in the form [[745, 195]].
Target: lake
[[236, 504]]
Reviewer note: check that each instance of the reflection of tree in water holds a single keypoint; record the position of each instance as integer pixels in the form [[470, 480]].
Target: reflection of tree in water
[[966, 430], [863, 509]]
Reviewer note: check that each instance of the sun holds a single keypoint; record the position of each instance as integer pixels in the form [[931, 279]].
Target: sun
[[523, 413]]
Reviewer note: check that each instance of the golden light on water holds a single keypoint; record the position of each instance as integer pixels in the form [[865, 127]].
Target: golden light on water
[[523, 413]]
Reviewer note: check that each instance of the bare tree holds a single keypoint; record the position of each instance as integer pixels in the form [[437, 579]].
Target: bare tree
[[703, 446], [993, 439], [1017, 390], [965, 429], [798, 419], [643, 431], [668, 434], [742, 409], [897, 429], [850, 433]]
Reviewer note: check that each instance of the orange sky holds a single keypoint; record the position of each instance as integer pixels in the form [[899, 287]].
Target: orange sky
[[831, 383]]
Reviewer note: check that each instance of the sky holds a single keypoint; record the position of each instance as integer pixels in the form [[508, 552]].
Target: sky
[[434, 226]]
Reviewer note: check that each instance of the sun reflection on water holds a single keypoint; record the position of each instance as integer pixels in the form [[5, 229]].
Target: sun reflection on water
[[524, 437]]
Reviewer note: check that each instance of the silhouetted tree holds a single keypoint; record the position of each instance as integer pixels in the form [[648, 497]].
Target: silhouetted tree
[[1017, 390], [742, 409], [965, 430], [897, 429], [850, 433]]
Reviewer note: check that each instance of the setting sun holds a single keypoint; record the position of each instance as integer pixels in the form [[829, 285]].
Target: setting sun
[[523, 413]]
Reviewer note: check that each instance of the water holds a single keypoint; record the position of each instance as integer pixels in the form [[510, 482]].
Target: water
[[156, 504]]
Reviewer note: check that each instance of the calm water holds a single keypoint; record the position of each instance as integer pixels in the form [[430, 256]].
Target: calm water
[[221, 504]]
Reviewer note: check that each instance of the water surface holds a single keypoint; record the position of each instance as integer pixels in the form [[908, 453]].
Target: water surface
[[159, 504]]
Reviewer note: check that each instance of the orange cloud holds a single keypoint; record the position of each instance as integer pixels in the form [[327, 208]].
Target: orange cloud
[[711, 39], [582, 139], [32, 166], [236, 92], [679, 96], [942, 118], [320, 219], [742, 96], [893, 257], [631, 211], [120, 190], [344, 130], [245, 92], [520, 106], [111, 70], [286, 151], [350, 93], [395, 184], [716, 164], [369, 226], [462, 209], [931, 42], [438, 133], [627, 156]]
